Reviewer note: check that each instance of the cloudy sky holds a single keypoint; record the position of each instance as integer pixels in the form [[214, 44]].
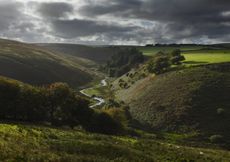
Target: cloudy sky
[[116, 21]]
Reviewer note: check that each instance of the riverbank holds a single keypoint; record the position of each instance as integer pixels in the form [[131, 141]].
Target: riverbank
[[92, 93]]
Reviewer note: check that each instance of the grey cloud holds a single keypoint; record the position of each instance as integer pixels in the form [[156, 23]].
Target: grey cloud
[[77, 28], [9, 13], [185, 19], [159, 21], [55, 10]]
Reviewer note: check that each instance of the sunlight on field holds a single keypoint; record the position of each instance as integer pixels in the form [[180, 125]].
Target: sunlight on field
[[200, 58]]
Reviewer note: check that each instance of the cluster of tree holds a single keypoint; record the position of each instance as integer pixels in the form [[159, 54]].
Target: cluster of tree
[[122, 61], [162, 61], [57, 104]]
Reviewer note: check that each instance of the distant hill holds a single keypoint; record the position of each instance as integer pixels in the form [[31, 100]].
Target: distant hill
[[99, 54], [192, 99], [35, 65]]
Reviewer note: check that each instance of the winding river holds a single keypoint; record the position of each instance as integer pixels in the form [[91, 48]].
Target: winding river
[[99, 100]]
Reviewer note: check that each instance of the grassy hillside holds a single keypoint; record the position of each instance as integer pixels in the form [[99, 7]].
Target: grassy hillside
[[192, 99], [99, 54], [35, 143], [35, 65]]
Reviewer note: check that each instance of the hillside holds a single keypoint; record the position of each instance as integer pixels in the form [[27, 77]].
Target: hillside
[[23, 142], [192, 99], [35, 65], [99, 54]]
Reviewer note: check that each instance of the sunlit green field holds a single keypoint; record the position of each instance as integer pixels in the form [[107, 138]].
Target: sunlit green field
[[22, 143], [207, 56], [194, 55]]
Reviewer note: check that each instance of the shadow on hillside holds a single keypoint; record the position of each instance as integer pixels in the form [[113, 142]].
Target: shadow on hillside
[[195, 62]]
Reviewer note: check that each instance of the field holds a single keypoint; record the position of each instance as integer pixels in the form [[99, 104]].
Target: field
[[36, 143], [194, 54], [149, 51]]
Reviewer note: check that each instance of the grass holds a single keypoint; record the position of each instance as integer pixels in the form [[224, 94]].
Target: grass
[[182, 101], [37, 143], [207, 56], [35, 65], [195, 55], [150, 51]]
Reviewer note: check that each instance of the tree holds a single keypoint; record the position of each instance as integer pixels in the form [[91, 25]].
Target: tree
[[176, 57], [58, 94], [102, 123], [158, 65]]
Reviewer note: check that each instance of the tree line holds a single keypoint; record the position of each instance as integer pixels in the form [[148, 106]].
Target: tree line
[[56, 104]]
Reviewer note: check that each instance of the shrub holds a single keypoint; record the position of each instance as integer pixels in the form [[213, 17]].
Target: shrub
[[101, 122], [176, 57], [119, 115], [216, 139], [220, 111], [158, 65]]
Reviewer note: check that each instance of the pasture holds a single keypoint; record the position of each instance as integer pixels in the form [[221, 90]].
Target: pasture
[[195, 55]]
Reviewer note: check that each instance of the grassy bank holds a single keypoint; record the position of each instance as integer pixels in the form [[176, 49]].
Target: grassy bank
[[36, 143]]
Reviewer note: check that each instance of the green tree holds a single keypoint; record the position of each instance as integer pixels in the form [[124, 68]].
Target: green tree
[[158, 65], [176, 57]]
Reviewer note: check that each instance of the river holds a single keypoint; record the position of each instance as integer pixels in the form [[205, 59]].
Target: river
[[99, 100]]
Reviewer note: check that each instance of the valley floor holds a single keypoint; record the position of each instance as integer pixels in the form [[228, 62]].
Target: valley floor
[[38, 143]]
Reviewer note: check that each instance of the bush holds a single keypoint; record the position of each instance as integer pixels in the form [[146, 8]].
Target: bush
[[158, 65], [216, 139], [101, 122], [176, 57], [220, 111], [119, 115]]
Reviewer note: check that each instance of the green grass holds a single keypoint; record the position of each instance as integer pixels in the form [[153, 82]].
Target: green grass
[[21, 143], [207, 56], [195, 55]]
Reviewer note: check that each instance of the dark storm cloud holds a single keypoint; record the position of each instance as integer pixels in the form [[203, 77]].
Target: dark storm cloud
[[184, 18], [119, 21], [9, 14], [77, 28], [110, 7], [55, 9]]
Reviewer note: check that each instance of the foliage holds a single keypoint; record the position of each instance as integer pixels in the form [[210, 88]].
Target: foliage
[[119, 115], [176, 57], [158, 65], [57, 104], [161, 62], [183, 101], [122, 61], [216, 139], [35, 143], [220, 111], [101, 122]]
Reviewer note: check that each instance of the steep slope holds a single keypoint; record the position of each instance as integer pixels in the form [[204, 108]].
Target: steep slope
[[99, 54], [193, 99], [35, 65]]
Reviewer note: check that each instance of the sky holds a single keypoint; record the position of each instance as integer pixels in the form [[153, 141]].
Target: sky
[[117, 22]]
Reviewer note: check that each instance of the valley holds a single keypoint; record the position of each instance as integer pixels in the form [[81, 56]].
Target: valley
[[178, 114], [114, 81]]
